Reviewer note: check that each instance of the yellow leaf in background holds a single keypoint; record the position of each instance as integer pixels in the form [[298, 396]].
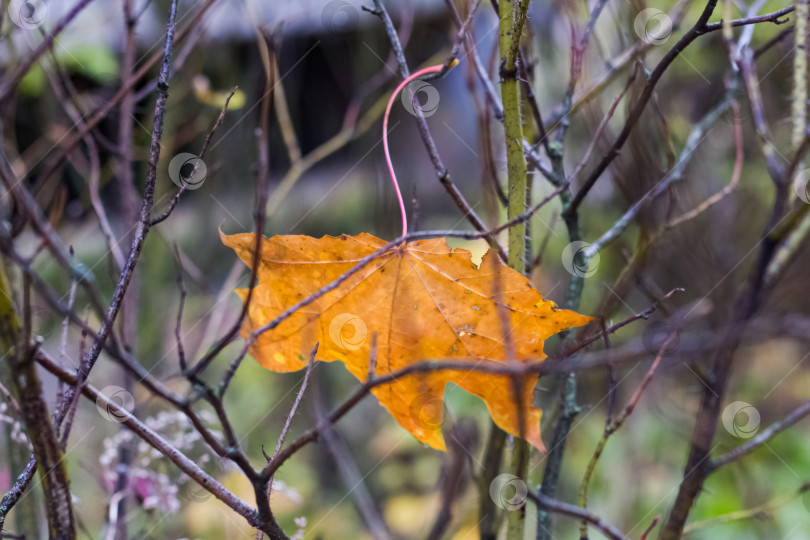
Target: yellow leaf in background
[[405, 513], [216, 98], [424, 301]]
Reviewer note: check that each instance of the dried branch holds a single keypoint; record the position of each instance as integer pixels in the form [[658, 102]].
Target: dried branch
[[13, 81], [732, 185], [143, 222], [15, 338], [297, 402], [265, 43], [208, 138], [351, 476], [427, 138], [157, 442], [795, 416], [799, 98], [13, 495], [553, 505], [696, 31], [178, 335], [700, 28], [763, 509], [603, 124], [614, 426], [698, 464], [694, 139], [67, 145]]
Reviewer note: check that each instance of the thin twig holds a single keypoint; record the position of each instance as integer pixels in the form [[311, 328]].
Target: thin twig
[[13, 81], [208, 137], [694, 139], [732, 185], [348, 470], [762, 437], [427, 138], [66, 146], [614, 426], [553, 505], [143, 221], [696, 31], [765, 509], [12, 496], [178, 334], [297, 402], [154, 440], [747, 303], [262, 190]]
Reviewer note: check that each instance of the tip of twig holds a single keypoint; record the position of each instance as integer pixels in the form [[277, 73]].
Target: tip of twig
[[453, 62], [650, 528]]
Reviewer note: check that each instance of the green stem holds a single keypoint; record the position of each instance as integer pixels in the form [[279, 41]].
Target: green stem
[[512, 17], [583, 488], [794, 238]]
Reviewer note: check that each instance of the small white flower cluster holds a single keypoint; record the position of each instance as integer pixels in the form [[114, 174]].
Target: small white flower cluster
[[17, 434], [151, 479], [163, 492], [289, 492], [301, 523]]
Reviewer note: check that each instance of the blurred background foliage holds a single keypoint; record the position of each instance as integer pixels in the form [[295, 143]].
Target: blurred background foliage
[[324, 63]]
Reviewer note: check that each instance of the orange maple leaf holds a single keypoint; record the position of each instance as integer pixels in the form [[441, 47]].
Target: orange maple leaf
[[424, 301]]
